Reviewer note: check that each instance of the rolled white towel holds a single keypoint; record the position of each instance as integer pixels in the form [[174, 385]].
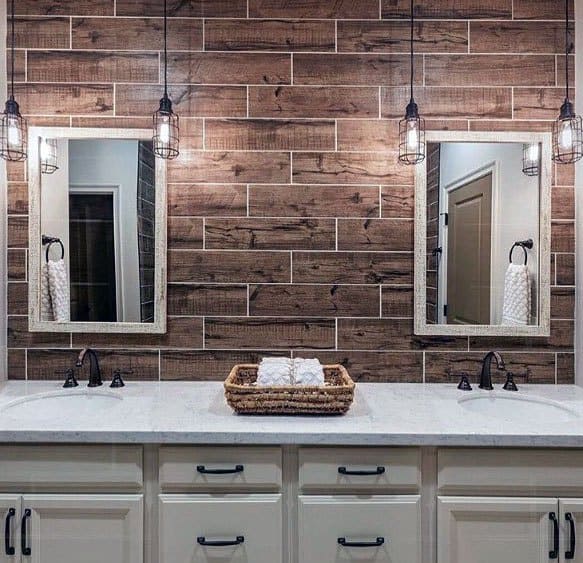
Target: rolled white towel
[[59, 290], [275, 371], [308, 372]]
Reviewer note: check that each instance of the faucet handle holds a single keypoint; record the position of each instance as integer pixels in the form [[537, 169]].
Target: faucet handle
[[117, 380], [70, 379], [464, 384], [510, 385]]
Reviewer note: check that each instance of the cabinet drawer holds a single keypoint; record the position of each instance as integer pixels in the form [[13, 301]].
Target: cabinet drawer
[[191, 524], [83, 468], [396, 469], [375, 529], [509, 471], [185, 468]]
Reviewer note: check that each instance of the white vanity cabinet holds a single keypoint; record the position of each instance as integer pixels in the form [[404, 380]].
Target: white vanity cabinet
[[10, 514]]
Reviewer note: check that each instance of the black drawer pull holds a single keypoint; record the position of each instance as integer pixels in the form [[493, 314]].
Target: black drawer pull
[[376, 543], [201, 540], [570, 554], [378, 471], [23, 537], [202, 469], [554, 553], [8, 548]]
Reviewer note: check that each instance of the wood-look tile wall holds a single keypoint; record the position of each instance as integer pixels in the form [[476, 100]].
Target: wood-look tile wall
[[291, 223]]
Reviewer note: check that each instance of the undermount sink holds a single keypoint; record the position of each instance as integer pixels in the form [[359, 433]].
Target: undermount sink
[[63, 405], [517, 408]]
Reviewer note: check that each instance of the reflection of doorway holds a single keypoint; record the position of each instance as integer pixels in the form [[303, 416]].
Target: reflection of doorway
[[92, 230], [469, 252]]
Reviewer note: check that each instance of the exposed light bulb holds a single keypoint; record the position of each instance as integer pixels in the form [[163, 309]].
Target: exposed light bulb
[[14, 138], [165, 132], [566, 134], [412, 135]]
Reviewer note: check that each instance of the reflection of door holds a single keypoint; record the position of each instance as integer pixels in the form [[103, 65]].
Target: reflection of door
[[469, 252]]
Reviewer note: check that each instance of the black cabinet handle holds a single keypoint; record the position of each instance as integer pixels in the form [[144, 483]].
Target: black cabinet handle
[[554, 553], [23, 539], [9, 549], [570, 554], [201, 540], [202, 469], [376, 543], [378, 471]]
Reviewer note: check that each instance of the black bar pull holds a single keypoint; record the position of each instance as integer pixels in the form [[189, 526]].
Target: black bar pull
[[202, 469], [378, 471], [554, 553], [570, 553], [8, 548], [201, 540], [24, 547], [376, 543]]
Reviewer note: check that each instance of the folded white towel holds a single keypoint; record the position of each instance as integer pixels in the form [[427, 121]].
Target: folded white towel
[[59, 290], [46, 307], [275, 371], [308, 372], [517, 297]]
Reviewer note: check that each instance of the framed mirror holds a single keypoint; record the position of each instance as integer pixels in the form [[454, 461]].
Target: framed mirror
[[97, 231], [482, 234]]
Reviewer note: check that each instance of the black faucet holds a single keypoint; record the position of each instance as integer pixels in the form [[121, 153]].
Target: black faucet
[[486, 376], [94, 371]]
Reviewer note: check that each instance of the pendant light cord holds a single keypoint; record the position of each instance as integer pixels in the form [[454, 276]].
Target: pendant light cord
[[165, 51], [567, 49], [12, 52], [412, 64]]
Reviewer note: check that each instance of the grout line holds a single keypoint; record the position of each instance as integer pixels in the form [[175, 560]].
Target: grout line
[[203, 34], [248, 299], [556, 368], [248, 206], [380, 301], [292, 69], [423, 367], [291, 266], [247, 94], [204, 333], [204, 233], [469, 33], [336, 36], [71, 32], [336, 232], [159, 365]]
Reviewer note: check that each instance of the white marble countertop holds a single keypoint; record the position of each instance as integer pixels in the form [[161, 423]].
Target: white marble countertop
[[196, 413]]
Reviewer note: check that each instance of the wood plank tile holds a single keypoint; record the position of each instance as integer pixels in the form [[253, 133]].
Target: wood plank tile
[[353, 267], [212, 300], [314, 300], [188, 101], [16, 171], [17, 298], [538, 103], [228, 267], [450, 103], [72, 99], [563, 302], [107, 122], [354, 70], [378, 367], [17, 231], [65, 7], [86, 66], [229, 68], [335, 9], [517, 37], [561, 69], [350, 168], [17, 198], [514, 125], [397, 301], [271, 333], [564, 174], [489, 70], [179, 8], [136, 34], [541, 9], [16, 363], [565, 265], [394, 36], [315, 102], [562, 237], [566, 369], [270, 234], [449, 9], [398, 202], [42, 33], [230, 167], [16, 264], [270, 134], [185, 233], [19, 337], [563, 203], [221, 200], [388, 235], [19, 64], [367, 134], [313, 201], [269, 35]]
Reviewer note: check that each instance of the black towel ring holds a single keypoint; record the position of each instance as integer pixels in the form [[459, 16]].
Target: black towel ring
[[524, 244], [48, 241]]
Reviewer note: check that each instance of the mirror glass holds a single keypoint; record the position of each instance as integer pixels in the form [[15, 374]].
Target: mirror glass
[[483, 236]]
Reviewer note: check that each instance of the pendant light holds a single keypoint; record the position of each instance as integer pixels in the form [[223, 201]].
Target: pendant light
[[531, 159], [48, 156], [567, 129], [13, 133], [166, 137], [412, 127]]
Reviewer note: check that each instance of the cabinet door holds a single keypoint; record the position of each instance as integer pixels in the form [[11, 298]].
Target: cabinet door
[[571, 517], [87, 528], [496, 529], [374, 529], [10, 519], [225, 529]]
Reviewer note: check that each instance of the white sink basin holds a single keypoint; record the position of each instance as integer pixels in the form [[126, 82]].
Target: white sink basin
[[61, 405], [517, 408]]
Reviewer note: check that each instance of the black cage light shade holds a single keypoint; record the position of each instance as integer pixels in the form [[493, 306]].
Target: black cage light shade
[[531, 159]]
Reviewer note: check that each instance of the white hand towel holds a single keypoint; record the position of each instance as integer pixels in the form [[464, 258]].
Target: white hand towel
[[46, 307], [308, 372], [275, 371], [59, 290], [516, 308]]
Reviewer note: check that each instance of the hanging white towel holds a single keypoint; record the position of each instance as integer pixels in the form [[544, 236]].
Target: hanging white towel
[[275, 371], [517, 296], [308, 372], [59, 290], [46, 307]]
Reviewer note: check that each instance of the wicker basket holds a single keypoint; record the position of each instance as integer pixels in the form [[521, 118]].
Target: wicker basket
[[244, 397]]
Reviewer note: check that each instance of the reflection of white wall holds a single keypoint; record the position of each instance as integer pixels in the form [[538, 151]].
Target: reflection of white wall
[[112, 162], [515, 214]]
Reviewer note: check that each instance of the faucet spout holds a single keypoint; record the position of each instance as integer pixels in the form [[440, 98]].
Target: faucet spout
[[486, 375], [94, 369]]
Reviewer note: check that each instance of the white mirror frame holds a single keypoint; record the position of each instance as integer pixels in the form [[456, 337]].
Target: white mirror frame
[[35, 252], [421, 327]]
